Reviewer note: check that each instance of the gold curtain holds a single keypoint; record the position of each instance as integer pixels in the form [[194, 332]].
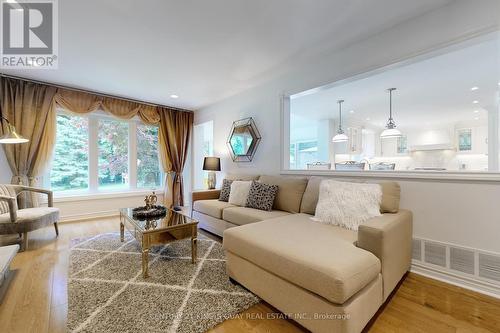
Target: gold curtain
[[173, 139], [30, 108]]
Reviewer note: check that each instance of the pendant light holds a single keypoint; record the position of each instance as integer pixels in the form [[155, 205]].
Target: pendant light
[[391, 131], [11, 136], [340, 136]]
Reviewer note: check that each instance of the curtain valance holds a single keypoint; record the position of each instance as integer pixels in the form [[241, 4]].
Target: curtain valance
[[82, 102]]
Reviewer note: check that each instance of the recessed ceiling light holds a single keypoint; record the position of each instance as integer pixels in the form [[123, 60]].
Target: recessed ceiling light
[[174, 96], [367, 119], [474, 88], [475, 102], [352, 111], [476, 111], [476, 118]]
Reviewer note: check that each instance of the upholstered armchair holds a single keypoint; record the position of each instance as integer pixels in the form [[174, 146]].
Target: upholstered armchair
[[22, 221]]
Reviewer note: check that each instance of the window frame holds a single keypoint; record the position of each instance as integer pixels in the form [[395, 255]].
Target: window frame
[[473, 176], [93, 159], [197, 173]]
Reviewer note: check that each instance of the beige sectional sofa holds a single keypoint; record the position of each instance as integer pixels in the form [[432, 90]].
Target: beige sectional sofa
[[327, 278]]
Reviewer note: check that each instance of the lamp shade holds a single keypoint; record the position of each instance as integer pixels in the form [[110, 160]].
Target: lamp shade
[[211, 164], [341, 137], [11, 136], [390, 133]]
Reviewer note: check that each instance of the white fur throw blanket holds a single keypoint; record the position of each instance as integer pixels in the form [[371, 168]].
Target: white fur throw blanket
[[347, 204]]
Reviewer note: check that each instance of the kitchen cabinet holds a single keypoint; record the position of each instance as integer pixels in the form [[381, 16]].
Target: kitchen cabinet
[[480, 140], [355, 143], [354, 146], [391, 147]]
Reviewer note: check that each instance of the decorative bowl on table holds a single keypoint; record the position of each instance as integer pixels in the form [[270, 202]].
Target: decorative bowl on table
[[151, 212]]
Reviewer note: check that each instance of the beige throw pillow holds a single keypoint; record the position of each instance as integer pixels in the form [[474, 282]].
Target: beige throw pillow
[[347, 204], [239, 192]]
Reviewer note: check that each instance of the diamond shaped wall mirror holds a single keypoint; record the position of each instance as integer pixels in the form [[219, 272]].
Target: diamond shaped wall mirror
[[243, 140]]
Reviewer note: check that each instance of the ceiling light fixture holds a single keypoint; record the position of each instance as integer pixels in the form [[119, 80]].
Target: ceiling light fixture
[[174, 96], [11, 136], [476, 111], [475, 102], [474, 88], [352, 111], [340, 136], [391, 131]]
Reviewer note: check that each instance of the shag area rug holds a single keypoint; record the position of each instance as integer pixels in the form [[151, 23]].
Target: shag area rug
[[107, 293]]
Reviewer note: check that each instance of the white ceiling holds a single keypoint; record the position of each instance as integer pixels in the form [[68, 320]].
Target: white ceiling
[[430, 93], [205, 51]]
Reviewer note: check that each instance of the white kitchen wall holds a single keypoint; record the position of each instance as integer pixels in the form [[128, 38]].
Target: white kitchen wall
[[464, 213]]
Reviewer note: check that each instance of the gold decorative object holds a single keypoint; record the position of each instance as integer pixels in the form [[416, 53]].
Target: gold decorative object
[[150, 200]]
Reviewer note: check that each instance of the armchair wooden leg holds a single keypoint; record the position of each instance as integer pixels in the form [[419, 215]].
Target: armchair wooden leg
[[24, 245], [57, 228]]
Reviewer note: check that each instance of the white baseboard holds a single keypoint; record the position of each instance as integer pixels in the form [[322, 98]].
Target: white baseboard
[[89, 216], [467, 282]]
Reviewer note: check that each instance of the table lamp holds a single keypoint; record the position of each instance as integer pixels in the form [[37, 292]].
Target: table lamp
[[211, 164]]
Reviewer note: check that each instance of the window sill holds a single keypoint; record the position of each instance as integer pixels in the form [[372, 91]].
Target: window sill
[[464, 176], [86, 195]]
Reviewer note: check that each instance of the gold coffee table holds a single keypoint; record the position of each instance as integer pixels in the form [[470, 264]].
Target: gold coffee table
[[174, 226]]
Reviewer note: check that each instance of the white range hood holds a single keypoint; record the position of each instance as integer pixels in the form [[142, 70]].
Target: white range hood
[[436, 146], [433, 139]]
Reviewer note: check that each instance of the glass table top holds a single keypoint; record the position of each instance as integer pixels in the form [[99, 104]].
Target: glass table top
[[172, 220]]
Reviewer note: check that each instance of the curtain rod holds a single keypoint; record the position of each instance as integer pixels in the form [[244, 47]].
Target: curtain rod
[[91, 92]]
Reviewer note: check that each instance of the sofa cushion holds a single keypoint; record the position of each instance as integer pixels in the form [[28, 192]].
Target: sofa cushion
[[244, 215], [320, 258], [347, 204], [289, 193], [239, 192], [311, 195], [211, 207], [391, 192], [29, 219], [390, 196], [261, 196], [234, 176], [225, 190]]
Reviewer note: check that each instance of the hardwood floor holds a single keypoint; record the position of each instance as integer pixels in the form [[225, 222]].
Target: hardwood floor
[[37, 297]]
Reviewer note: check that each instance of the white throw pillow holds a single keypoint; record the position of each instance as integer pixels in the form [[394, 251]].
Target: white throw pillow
[[239, 192], [347, 204]]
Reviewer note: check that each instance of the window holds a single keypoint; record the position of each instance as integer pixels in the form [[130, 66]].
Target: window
[[403, 145], [303, 153], [148, 166], [465, 140], [97, 152], [446, 107], [70, 168], [113, 154], [203, 146]]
